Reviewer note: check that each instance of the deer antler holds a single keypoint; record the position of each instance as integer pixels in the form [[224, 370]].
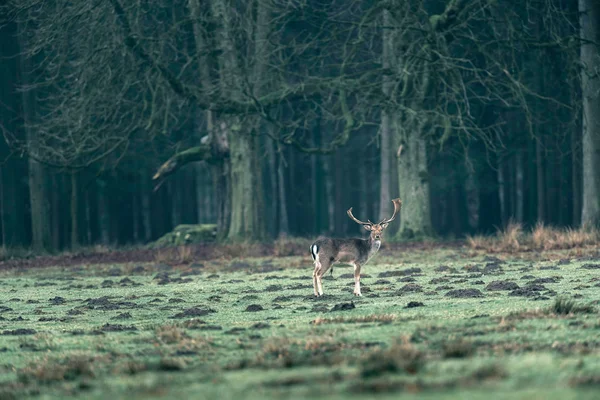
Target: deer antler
[[397, 205], [357, 220]]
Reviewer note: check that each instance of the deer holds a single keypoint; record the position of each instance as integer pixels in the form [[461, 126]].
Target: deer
[[357, 252]]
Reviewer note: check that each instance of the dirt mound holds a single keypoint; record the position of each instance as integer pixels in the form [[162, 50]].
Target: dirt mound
[[501, 285], [254, 308], [590, 266], [532, 290], [194, 312], [344, 306], [464, 293], [410, 288]]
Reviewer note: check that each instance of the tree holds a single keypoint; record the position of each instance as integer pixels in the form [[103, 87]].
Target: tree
[[589, 12]]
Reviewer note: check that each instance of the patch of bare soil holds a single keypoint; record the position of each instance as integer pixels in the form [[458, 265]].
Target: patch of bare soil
[[464, 293], [343, 307], [532, 290], [194, 312], [501, 285], [254, 308]]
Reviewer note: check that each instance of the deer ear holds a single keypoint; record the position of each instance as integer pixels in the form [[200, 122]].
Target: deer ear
[[383, 226], [367, 227]]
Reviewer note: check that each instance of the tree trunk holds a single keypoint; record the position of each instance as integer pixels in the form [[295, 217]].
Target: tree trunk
[[272, 222], [413, 181], [200, 172], [74, 212], [38, 193], [329, 193], [473, 194], [88, 216], [56, 211], [284, 227], [502, 191], [589, 18], [385, 205], [103, 214], [541, 194], [146, 208], [519, 188], [135, 211], [12, 206], [575, 179], [247, 221], [2, 212]]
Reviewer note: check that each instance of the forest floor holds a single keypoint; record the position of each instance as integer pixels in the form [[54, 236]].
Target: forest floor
[[433, 322]]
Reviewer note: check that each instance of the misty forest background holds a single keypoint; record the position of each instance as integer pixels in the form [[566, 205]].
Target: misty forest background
[[122, 119]]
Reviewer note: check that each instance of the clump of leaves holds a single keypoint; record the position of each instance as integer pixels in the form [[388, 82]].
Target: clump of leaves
[[458, 348], [564, 306], [401, 357]]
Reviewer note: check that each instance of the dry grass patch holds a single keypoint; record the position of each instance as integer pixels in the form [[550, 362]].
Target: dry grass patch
[[457, 348], [401, 357], [56, 370], [175, 255], [291, 246], [381, 318], [170, 334], [511, 236], [542, 237]]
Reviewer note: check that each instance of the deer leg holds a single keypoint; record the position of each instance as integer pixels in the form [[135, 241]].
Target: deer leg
[[315, 276], [321, 271], [319, 282], [357, 279]]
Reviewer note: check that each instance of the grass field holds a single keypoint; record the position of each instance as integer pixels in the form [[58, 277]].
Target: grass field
[[434, 323]]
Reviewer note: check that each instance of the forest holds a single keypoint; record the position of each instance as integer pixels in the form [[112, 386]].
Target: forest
[[270, 118]]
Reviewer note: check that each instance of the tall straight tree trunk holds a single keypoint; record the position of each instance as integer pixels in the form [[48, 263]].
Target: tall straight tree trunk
[[200, 192], [38, 191], [274, 196], [88, 216], [103, 215], [385, 205], [541, 187], [12, 205], [56, 211], [135, 211], [329, 193], [146, 207], [2, 213], [473, 195], [74, 211], [575, 179], [589, 19], [502, 191], [284, 226], [519, 187]]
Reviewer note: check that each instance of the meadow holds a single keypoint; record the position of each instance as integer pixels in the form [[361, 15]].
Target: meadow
[[434, 322]]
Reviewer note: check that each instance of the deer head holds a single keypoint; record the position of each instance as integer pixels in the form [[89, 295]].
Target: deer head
[[378, 228]]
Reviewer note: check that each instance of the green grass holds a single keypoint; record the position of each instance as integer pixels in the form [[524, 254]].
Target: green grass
[[116, 332]]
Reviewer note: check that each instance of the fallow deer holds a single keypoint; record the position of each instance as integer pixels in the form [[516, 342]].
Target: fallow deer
[[356, 252]]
